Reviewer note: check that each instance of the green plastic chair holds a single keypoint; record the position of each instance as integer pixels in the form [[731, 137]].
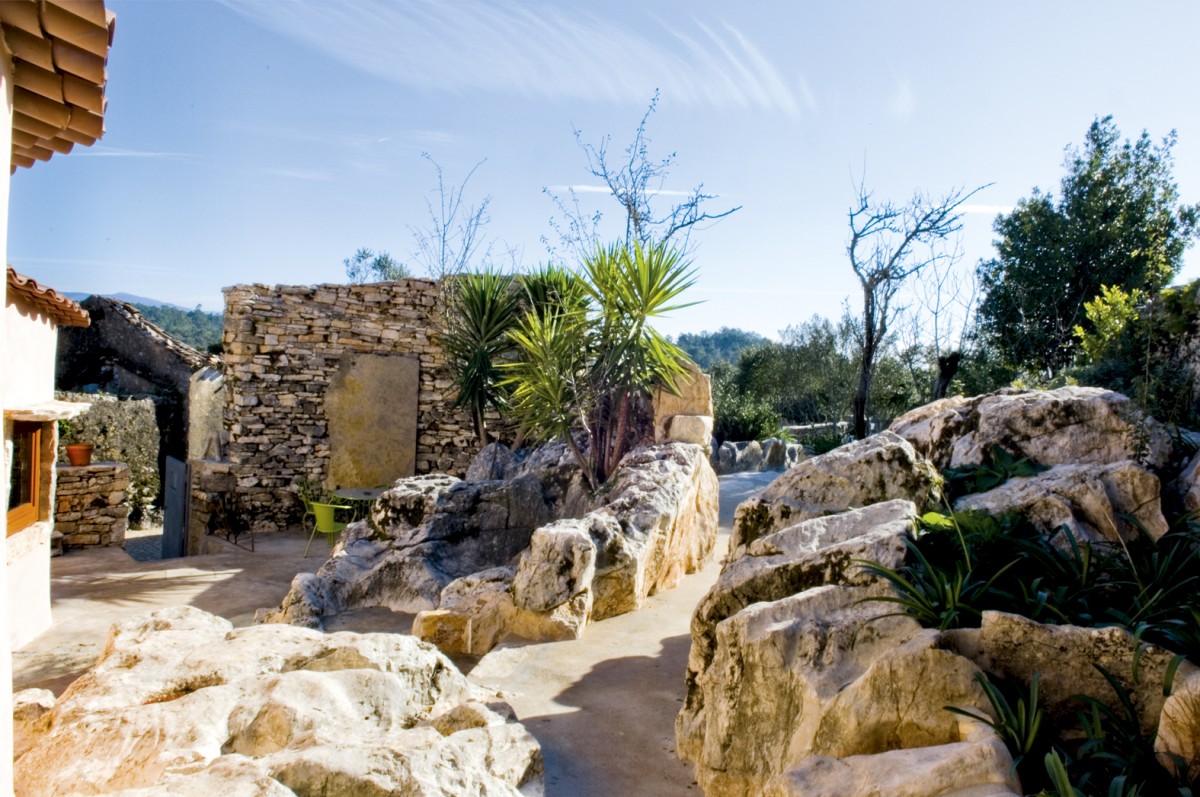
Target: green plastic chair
[[324, 521]]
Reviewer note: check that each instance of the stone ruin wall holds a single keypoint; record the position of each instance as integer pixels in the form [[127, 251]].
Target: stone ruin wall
[[283, 345]]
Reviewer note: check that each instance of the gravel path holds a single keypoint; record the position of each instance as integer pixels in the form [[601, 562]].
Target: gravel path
[[603, 707]]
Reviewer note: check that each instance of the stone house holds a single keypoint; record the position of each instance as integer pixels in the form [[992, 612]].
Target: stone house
[[124, 354], [53, 57], [343, 385]]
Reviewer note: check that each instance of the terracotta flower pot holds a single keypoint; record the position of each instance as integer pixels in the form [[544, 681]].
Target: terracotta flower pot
[[80, 454]]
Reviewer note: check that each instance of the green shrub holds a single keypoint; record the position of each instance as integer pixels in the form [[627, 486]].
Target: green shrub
[[737, 416]]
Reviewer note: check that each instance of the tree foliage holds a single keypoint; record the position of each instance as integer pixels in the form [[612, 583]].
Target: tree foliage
[[1117, 221], [194, 327], [723, 346], [482, 308], [366, 266]]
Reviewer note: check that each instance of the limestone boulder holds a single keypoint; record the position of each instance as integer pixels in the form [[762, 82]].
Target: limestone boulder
[[775, 454], [726, 457], [1179, 723], [1188, 485], [810, 554], [494, 461], [657, 523], [31, 717], [182, 703], [1069, 425], [878, 468], [694, 429], [1067, 658], [749, 456], [961, 769], [408, 502], [822, 672], [665, 499], [1106, 502], [560, 564], [460, 528]]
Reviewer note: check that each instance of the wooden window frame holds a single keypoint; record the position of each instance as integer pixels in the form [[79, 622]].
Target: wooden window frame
[[26, 514]]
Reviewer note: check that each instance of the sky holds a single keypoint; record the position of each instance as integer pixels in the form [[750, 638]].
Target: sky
[[264, 141]]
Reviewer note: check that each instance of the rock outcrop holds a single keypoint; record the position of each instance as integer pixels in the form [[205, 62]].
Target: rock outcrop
[[181, 703], [879, 468], [1066, 426], [1096, 502], [804, 680], [481, 560], [657, 523]]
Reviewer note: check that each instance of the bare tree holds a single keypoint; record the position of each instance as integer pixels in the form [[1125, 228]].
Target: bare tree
[[453, 241], [884, 239], [634, 181], [949, 296]]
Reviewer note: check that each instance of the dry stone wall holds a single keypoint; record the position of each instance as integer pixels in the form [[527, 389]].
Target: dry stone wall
[[283, 347], [92, 506]]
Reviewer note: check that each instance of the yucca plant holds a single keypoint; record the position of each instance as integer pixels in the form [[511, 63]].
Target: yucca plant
[[480, 313], [581, 366]]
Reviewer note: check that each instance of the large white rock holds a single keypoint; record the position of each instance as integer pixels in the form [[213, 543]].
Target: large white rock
[[961, 769], [1069, 425], [180, 702], [878, 468], [559, 564], [1093, 501], [1067, 657], [810, 554], [658, 522], [1179, 723], [820, 673]]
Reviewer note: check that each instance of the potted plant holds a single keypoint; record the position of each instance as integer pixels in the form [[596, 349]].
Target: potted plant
[[79, 454]]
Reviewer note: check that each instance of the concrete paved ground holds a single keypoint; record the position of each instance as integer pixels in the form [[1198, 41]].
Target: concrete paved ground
[[603, 707]]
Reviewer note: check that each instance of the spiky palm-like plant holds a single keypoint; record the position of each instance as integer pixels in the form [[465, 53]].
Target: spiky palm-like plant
[[581, 364], [481, 310]]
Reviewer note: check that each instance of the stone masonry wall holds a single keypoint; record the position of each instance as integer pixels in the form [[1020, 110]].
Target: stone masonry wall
[[283, 344], [92, 506]]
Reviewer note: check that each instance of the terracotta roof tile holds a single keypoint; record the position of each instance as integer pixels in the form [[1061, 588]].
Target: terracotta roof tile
[[60, 51], [64, 311]]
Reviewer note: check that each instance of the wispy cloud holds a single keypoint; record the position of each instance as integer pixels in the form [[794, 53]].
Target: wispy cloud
[[548, 51], [101, 151], [986, 210], [306, 175], [903, 102]]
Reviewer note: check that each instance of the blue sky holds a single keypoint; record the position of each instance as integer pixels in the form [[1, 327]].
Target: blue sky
[[266, 141]]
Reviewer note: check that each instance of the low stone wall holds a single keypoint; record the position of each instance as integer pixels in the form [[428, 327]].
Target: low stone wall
[[92, 504]]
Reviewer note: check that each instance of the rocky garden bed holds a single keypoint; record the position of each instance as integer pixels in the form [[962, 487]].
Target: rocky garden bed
[[519, 548], [996, 596]]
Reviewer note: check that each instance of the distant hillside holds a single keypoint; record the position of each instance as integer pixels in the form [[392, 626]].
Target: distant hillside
[[726, 345], [194, 327], [140, 301]]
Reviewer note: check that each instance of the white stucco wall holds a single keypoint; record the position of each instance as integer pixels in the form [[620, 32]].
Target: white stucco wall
[[31, 342], [6, 746]]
